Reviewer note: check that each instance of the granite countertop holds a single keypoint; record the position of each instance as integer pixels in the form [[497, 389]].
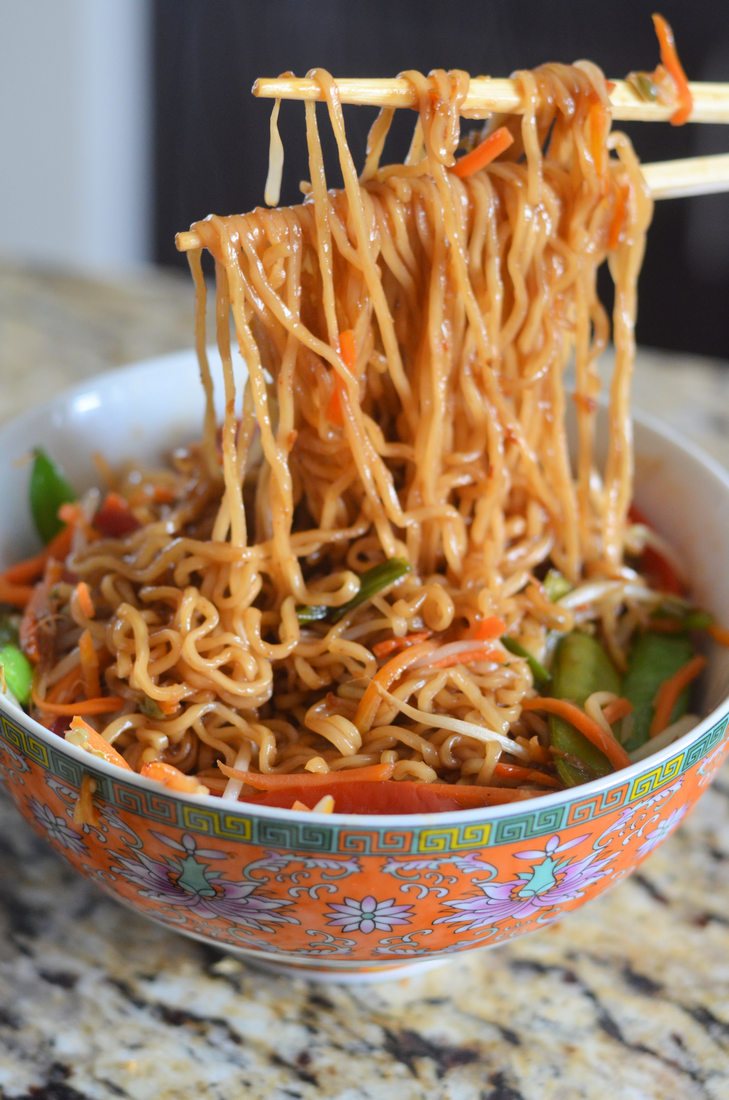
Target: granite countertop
[[627, 998]]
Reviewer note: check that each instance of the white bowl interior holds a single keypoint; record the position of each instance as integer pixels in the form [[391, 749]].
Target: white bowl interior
[[145, 410]]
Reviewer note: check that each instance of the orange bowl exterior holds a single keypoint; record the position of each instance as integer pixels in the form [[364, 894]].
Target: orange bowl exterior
[[342, 894]]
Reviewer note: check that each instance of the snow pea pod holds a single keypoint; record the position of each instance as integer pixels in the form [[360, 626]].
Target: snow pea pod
[[17, 672], [580, 667], [49, 489], [654, 657]]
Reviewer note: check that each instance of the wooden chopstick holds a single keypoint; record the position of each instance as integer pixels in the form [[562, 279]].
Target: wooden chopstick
[[667, 179], [488, 95]]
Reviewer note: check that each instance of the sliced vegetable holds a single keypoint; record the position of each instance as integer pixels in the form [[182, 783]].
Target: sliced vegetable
[[580, 667], [719, 633], [669, 692], [403, 797], [576, 716], [151, 708], [85, 737], [483, 154], [370, 583], [555, 585], [492, 627], [115, 518], [275, 781], [173, 778], [49, 489], [653, 658], [392, 645], [669, 57], [17, 672], [539, 672]]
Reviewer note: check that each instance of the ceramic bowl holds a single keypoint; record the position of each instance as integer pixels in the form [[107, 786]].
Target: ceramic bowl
[[351, 897]]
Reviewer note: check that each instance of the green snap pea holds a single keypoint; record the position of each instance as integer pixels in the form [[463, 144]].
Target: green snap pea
[[370, 583], [653, 658], [539, 672], [49, 489], [17, 671], [580, 667]]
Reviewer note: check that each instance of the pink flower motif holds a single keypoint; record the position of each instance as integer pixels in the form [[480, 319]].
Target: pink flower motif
[[186, 883], [538, 894], [369, 914], [662, 829]]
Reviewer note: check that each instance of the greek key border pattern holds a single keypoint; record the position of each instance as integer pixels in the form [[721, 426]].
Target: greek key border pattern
[[301, 836]]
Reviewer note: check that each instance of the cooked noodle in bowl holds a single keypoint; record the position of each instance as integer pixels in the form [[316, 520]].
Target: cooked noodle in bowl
[[363, 591]]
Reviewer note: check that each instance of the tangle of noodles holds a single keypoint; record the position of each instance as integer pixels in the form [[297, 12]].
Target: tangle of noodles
[[406, 339]]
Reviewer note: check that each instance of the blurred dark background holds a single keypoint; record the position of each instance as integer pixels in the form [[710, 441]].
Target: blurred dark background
[[211, 135]]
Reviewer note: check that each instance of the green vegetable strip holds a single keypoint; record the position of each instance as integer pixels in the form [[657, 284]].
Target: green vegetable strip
[[539, 672], [653, 658], [49, 489], [18, 672], [373, 581], [581, 666], [555, 585]]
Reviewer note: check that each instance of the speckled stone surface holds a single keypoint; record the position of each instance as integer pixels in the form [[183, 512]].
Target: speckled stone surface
[[627, 998]]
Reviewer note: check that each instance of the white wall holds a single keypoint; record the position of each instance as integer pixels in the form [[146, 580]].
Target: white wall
[[75, 125]]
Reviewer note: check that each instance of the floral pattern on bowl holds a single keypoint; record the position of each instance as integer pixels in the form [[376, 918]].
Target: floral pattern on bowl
[[350, 894]]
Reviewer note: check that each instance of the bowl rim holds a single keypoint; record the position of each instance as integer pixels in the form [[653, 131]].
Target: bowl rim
[[594, 787]]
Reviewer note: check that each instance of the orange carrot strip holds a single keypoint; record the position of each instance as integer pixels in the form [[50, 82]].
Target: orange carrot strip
[[173, 778], [525, 775], [84, 599], [103, 705], [599, 121], [35, 609], [85, 737], [348, 353], [16, 594], [614, 751], [616, 710], [470, 655], [720, 634], [374, 773], [32, 568], [66, 686], [392, 645], [669, 692], [387, 675], [89, 666], [669, 57], [483, 154], [493, 627]]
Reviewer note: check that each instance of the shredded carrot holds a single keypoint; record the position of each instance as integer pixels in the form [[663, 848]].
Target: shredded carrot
[[483, 154], [387, 675], [468, 656], [614, 751], [619, 708], [524, 775], [84, 599], [65, 688], [35, 610], [493, 627], [669, 57], [375, 773], [348, 353], [18, 595], [599, 121], [101, 705], [23, 572], [669, 692], [89, 666], [720, 634], [173, 778], [85, 737], [84, 812], [392, 645]]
